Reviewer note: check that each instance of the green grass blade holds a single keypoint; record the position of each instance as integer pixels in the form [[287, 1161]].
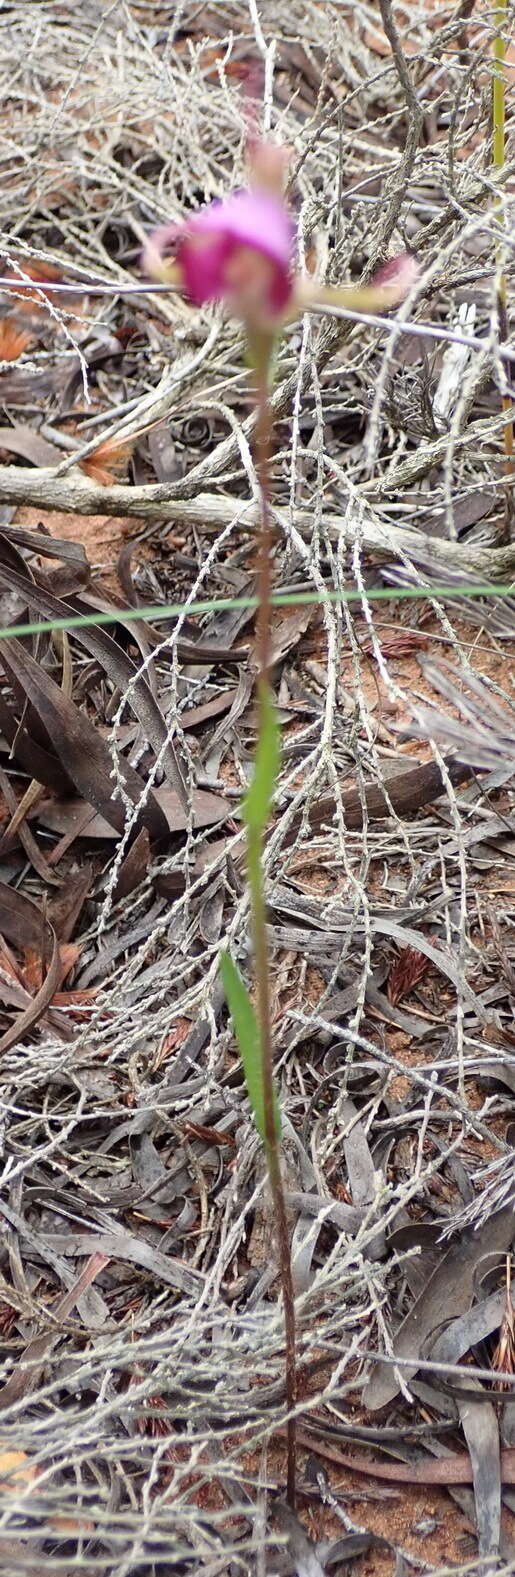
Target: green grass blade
[[296, 599], [249, 1040]]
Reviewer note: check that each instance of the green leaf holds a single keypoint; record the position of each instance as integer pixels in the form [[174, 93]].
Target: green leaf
[[248, 1035], [258, 799]]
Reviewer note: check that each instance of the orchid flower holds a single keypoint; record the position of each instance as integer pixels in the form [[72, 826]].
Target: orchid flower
[[240, 250]]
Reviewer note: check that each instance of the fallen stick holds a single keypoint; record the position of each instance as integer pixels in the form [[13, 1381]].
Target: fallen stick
[[74, 493]]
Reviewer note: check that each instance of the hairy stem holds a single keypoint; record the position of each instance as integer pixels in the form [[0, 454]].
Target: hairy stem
[[498, 152], [255, 852]]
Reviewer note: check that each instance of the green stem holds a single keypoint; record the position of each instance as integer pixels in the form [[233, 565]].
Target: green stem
[[258, 903]]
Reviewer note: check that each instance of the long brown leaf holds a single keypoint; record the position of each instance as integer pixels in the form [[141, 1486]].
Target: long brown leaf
[[28, 1369], [40, 542], [116, 664], [42, 1000], [22, 922], [133, 1251], [20, 809], [84, 755], [72, 816], [32, 756], [454, 1469], [22, 440], [447, 1292], [64, 909], [26, 837]]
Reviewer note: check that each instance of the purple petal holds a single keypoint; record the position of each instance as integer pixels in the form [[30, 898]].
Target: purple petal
[[202, 253], [256, 221]]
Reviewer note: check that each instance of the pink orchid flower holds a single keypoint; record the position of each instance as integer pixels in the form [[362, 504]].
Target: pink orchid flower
[[240, 251]]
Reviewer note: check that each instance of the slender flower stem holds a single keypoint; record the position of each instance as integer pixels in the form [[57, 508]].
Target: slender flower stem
[[263, 441], [259, 925]]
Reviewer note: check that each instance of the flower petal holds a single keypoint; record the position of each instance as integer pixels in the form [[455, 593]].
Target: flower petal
[[397, 277], [268, 163], [202, 254], [387, 288], [154, 260]]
